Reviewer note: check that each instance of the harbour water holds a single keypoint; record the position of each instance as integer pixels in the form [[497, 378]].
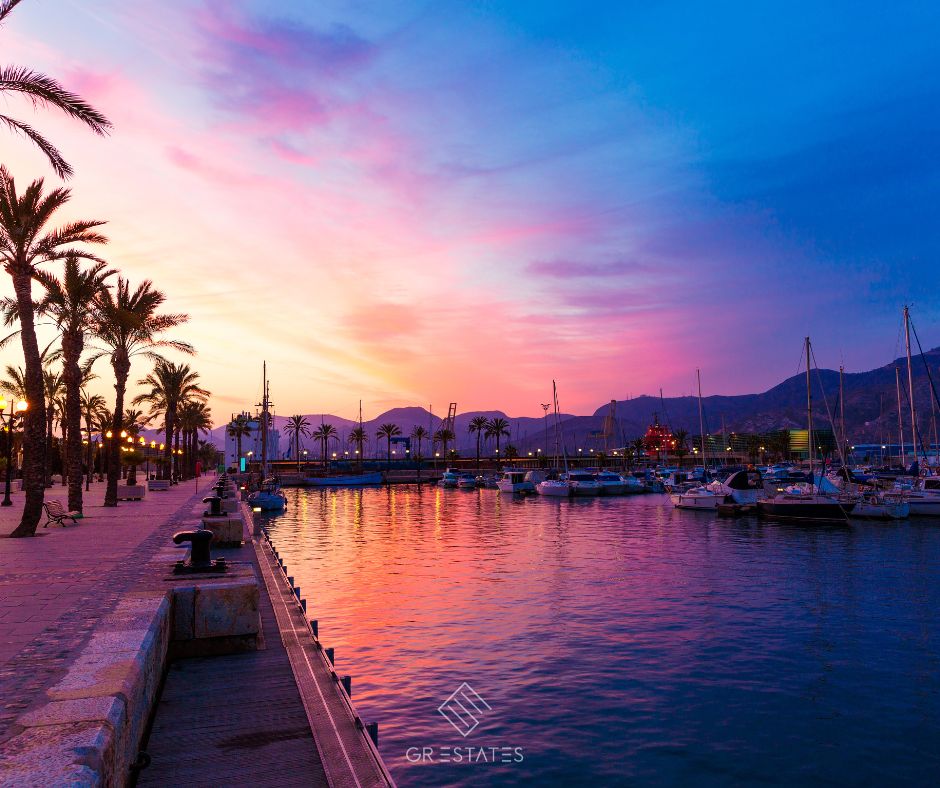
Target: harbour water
[[619, 641]]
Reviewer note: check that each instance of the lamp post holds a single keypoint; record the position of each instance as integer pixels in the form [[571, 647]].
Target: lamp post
[[7, 421]]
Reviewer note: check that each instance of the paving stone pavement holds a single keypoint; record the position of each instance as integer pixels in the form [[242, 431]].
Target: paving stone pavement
[[55, 587]]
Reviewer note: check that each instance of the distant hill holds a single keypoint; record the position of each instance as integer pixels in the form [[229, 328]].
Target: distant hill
[[870, 412]]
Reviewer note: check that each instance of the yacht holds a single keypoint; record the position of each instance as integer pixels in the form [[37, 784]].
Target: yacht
[[515, 482], [610, 483], [582, 483], [554, 488]]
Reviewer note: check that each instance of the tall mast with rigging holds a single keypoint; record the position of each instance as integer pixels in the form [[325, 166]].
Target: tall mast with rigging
[[910, 380], [809, 412], [701, 422]]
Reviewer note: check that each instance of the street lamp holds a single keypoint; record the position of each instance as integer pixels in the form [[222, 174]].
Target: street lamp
[[7, 421]]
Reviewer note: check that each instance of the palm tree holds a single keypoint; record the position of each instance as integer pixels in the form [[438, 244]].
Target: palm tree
[[15, 382], [70, 303], [170, 386], [238, 428], [91, 407], [681, 440], [297, 427], [638, 447], [497, 428], [442, 437], [388, 431], [419, 434], [47, 92], [25, 244], [478, 425], [324, 433], [129, 325], [194, 417], [358, 436]]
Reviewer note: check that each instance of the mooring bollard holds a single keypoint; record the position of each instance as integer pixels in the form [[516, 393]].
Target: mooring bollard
[[303, 604], [372, 728], [331, 655], [347, 685], [315, 627], [215, 506], [290, 579], [297, 592]]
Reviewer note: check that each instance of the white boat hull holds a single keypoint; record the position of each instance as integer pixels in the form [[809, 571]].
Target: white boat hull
[[510, 487], [693, 501], [553, 490]]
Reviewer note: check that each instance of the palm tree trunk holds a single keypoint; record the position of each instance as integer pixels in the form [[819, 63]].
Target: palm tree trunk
[[169, 425], [72, 376], [88, 457], [122, 369], [47, 465], [34, 421]]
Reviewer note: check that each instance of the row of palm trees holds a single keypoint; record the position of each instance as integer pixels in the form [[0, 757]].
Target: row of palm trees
[[90, 310], [298, 427]]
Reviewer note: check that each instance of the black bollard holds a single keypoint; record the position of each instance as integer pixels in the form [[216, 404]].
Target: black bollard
[[200, 557], [215, 506], [331, 655]]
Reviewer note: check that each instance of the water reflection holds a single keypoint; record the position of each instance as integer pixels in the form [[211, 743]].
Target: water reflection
[[620, 640]]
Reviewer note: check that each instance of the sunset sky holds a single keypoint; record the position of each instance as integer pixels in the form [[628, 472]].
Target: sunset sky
[[413, 203]]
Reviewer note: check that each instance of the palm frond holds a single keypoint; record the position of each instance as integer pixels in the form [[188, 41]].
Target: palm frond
[[46, 91], [6, 6], [61, 167]]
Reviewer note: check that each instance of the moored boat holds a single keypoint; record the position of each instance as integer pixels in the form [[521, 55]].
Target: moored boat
[[610, 483], [515, 482], [554, 488], [269, 498], [582, 483]]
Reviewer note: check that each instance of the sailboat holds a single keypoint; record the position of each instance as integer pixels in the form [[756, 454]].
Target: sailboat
[[556, 488], [820, 503], [269, 497], [702, 497]]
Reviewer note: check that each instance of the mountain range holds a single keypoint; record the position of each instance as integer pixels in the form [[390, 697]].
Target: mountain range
[[871, 413]]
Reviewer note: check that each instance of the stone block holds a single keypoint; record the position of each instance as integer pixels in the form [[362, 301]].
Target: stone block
[[131, 492], [184, 612], [226, 530], [226, 609], [230, 505], [75, 754], [110, 709], [158, 484]]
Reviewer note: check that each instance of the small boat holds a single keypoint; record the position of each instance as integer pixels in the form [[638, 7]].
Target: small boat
[[449, 480], [515, 482], [554, 488], [610, 483], [881, 507], [487, 482], [698, 498], [348, 480], [467, 481], [799, 504], [269, 498], [582, 483]]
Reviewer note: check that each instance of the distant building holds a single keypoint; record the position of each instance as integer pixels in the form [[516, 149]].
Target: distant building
[[251, 443]]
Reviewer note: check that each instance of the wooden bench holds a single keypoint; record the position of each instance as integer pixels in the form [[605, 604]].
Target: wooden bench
[[55, 513]]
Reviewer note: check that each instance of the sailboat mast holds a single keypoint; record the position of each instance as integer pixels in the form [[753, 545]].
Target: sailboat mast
[[264, 419], [910, 380], [701, 420], [809, 410], [897, 382], [842, 409]]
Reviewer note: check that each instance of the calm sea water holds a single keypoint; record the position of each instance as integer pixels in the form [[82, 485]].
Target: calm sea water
[[617, 641]]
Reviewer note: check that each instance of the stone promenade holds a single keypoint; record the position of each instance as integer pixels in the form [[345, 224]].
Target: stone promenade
[[56, 586]]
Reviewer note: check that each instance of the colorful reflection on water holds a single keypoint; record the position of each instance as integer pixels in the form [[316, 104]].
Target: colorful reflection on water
[[617, 640]]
